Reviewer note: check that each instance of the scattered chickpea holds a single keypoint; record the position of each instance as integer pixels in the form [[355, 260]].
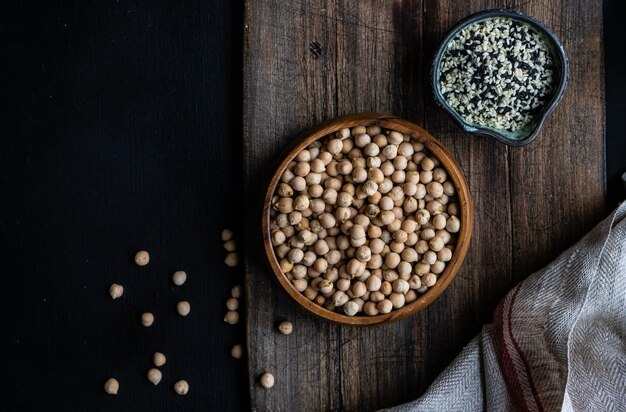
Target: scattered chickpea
[[147, 319], [266, 380], [232, 304], [142, 258], [228, 234], [236, 292], [285, 327], [179, 277], [181, 387], [230, 245], [154, 376], [116, 291], [236, 351], [183, 308], [231, 259], [111, 386], [158, 359], [231, 317]]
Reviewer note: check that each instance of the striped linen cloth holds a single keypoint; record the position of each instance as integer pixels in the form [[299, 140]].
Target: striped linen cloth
[[558, 341]]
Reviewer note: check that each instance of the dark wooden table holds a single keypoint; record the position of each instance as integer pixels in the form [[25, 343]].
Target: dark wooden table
[[307, 61]]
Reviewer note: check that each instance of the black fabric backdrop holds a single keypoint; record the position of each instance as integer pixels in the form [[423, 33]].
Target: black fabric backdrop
[[121, 130]]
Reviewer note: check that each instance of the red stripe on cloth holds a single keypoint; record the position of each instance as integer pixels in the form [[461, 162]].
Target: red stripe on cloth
[[508, 369], [521, 354]]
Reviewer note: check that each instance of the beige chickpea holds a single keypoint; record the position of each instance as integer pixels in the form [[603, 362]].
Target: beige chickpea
[[444, 235], [181, 387], [112, 386], [231, 317], [373, 283], [385, 186], [315, 191], [228, 234], [285, 327], [300, 284], [373, 162], [154, 376], [422, 216], [436, 243], [236, 351], [421, 268], [410, 255], [298, 183], [347, 146], [435, 189], [369, 308], [448, 188], [415, 282], [429, 280], [326, 286], [411, 239], [444, 255], [392, 260], [397, 300], [376, 296], [453, 225], [287, 176], [384, 306], [339, 298], [351, 308], [438, 267], [426, 177], [404, 268], [430, 257], [142, 258], [439, 222], [387, 217], [434, 207], [410, 205], [398, 177], [304, 156], [371, 149], [386, 288], [301, 169], [421, 247], [183, 308], [427, 234], [410, 297], [236, 291], [440, 175], [364, 254], [116, 291], [295, 255], [427, 164], [158, 359], [400, 286], [283, 190], [362, 140], [395, 138], [147, 319], [231, 304]]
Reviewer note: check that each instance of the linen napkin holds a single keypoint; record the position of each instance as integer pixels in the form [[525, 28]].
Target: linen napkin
[[558, 340]]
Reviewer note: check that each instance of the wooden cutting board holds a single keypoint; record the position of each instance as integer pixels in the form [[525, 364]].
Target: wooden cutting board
[[310, 60]]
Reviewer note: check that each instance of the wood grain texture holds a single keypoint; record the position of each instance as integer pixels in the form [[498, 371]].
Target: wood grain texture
[[307, 61]]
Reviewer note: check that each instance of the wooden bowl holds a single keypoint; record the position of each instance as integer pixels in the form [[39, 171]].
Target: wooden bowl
[[454, 173]]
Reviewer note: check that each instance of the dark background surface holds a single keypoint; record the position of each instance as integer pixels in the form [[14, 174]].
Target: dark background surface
[[122, 131]]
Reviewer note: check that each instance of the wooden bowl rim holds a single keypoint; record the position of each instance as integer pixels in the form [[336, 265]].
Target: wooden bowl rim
[[454, 172]]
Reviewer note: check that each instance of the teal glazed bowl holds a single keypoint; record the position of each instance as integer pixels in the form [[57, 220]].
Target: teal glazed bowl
[[560, 72]]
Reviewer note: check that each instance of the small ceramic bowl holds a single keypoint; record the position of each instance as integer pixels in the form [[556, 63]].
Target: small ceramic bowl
[[454, 173], [561, 73]]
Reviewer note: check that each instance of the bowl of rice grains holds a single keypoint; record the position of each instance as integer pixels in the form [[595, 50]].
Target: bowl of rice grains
[[367, 219], [500, 73]]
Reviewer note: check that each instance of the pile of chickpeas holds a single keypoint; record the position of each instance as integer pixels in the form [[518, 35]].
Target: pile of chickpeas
[[364, 220]]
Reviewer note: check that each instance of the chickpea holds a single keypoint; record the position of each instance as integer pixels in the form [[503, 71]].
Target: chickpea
[[453, 225], [384, 306], [429, 280], [397, 300]]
